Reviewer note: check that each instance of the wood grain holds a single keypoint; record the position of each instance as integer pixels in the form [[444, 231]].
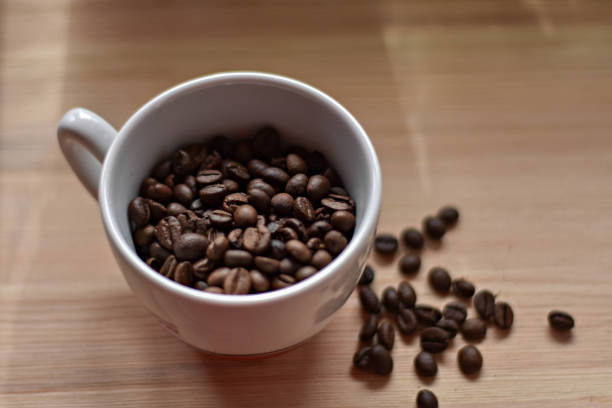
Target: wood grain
[[502, 107]]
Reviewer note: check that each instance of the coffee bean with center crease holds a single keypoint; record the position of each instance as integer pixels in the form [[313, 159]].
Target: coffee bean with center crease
[[474, 329], [343, 221], [235, 238], [217, 247], [237, 282], [139, 212], [427, 315], [269, 266], [463, 288], [282, 281], [296, 186], [211, 176], [237, 257], [449, 326], [369, 327], [406, 294], [168, 267], [361, 358], [439, 279], [455, 311], [367, 276], [190, 246], [182, 164], [470, 359], [183, 273], [335, 242], [235, 171], [410, 263], [560, 321], [385, 334], [385, 244], [231, 202], [390, 299], [406, 321], [503, 315], [434, 340], [425, 364], [449, 215], [369, 300], [413, 238], [298, 250], [321, 258], [295, 164], [484, 301], [220, 219], [259, 283], [380, 360], [212, 195], [203, 267], [168, 232], [303, 209], [426, 399], [434, 227]]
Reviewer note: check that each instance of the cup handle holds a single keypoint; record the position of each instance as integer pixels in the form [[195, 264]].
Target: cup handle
[[84, 138]]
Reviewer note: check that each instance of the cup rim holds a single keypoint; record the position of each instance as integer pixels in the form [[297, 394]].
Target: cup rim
[[356, 244]]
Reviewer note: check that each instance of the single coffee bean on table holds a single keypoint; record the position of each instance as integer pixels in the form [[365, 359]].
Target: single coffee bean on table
[[449, 326], [406, 293], [426, 399], [439, 279], [484, 302], [503, 315], [455, 311], [560, 321], [427, 315], [410, 263], [390, 299], [434, 340], [367, 276], [406, 321], [369, 327], [380, 360], [425, 364], [474, 329], [463, 288], [369, 300], [470, 359], [449, 215], [434, 228], [385, 334], [413, 238], [385, 244]]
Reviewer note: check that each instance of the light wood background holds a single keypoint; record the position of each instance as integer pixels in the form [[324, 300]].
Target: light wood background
[[503, 107]]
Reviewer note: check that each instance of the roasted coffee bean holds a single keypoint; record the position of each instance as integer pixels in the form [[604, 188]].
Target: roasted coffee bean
[[203, 267], [449, 215], [470, 359], [317, 187], [298, 250], [159, 192], [256, 240], [426, 399], [367, 276], [296, 186], [295, 164], [410, 263], [145, 235], [369, 327], [158, 211], [182, 164], [168, 231], [385, 334], [139, 212], [269, 266], [385, 244], [319, 229], [463, 288], [321, 258], [235, 171], [217, 247], [455, 311], [149, 181], [190, 246], [211, 176], [287, 234], [183, 273], [231, 186], [427, 315], [237, 257], [158, 252], [183, 194], [412, 238], [259, 199], [297, 226], [380, 360], [339, 191], [282, 281], [275, 176], [561, 321], [235, 238], [369, 300], [282, 204], [390, 299], [337, 202], [474, 329], [220, 219], [259, 283], [214, 289], [277, 249], [259, 184], [170, 180], [288, 266], [503, 315], [406, 294], [305, 272], [200, 285], [406, 321], [217, 277], [361, 358], [434, 340], [303, 210], [314, 244], [343, 221], [176, 209], [168, 267], [197, 207], [256, 167], [434, 227], [245, 216], [162, 170], [439, 279], [190, 181], [334, 242], [231, 202], [449, 326], [237, 282], [212, 195], [425, 364], [484, 301]]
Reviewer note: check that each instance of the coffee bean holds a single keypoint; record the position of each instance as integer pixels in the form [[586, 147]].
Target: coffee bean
[[282, 204], [288, 266], [474, 329], [212, 195], [337, 202], [230, 186], [159, 192], [168, 267], [449, 326], [259, 184], [211, 176], [275, 176], [297, 226], [334, 242], [503, 315], [407, 295], [343, 221], [317, 187], [380, 360], [321, 258], [183, 273], [282, 281], [256, 167], [200, 285], [361, 359], [176, 209], [235, 171], [235, 238], [296, 186], [434, 340], [220, 219], [237, 282], [269, 266], [190, 246], [449, 215], [455, 311], [168, 232], [303, 210], [197, 207], [139, 212], [412, 238], [426, 399], [203, 267], [369, 300], [390, 299], [217, 277], [439, 279], [463, 288], [434, 227], [182, 164], [183, 194], [245, 216], [295, 164], [158, 252], [232, 201], [237, 257], [470, 359], [425, 364], [259, 199], [427, 315], [369, 327], [367, 276], [319, 229], [145, 235], [305, 272], [314, 244], [406, 321], [259, 283], [298, 250], [149, 181], [385, 244], [214, 289], [561, 321], [484, 302], [385, 334], [217, 247], [162, 169], [158, 211], [410, 263]]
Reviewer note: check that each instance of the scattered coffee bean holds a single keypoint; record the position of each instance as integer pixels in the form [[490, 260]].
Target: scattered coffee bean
[[449, 215], [385, 244], [463, 288], [561, 321], [406, 321], [361, 359], [439, 279], [427, 315], [369, 300], [434, 227], [434, 340], [484, 301], [449, 326], [413, 238], [426, 399], [470, 359], [455, 311], [410, 263], [503, 315], [390, 299], [425, 364], [474, 329], [407, 295], [367, 276], [386, 334], [380, 360], [369, 327]]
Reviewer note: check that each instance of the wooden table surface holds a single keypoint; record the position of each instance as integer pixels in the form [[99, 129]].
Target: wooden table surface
[[502, 107]]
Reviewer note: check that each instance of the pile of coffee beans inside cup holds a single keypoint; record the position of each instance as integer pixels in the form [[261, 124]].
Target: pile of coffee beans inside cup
[[241, 216], [398, 307]]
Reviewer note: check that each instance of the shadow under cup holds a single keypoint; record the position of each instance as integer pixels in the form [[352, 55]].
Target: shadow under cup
[[237, 106]]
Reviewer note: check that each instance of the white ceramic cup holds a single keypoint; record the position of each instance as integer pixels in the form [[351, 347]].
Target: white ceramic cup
[[235, 103]]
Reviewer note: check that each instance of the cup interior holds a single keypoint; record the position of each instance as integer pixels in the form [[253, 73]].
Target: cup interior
[[237, 104]]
